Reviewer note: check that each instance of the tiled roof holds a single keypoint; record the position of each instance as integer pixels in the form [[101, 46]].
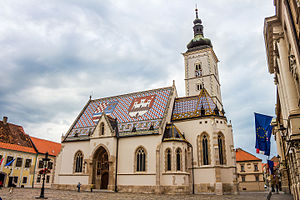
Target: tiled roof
[[44, 146], [242, 155], [173, 134], [16, 147], [14, 134], [194, 106], [141, 110]]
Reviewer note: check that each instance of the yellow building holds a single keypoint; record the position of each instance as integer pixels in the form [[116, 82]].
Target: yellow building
[[249, 170], [42, 147], [17, 156]]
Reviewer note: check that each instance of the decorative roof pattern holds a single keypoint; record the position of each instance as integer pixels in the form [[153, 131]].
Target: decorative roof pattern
[[139, 111], [195, 106], [242, 155], [44, 146], [172, 134]]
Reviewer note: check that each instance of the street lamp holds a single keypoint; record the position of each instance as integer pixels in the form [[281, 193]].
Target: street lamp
[[45, 161]]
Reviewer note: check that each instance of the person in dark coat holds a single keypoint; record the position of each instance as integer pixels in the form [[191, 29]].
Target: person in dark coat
[[78, 186]]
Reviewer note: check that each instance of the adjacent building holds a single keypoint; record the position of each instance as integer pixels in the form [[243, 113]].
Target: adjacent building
[[23, 156], [282, 32], [17, 149], [249, 170], [42, 147], [153, 141]]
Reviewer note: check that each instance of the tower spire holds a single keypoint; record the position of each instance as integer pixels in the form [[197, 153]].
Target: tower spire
[[196, 10]]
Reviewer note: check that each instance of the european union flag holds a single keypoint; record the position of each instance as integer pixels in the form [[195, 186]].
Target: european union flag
[[271, 166], [263, 133]]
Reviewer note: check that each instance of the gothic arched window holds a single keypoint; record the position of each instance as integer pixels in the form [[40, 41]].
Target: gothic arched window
[[140, 160], [198, 70], [168, 159], [78, 161], [221, 147], [102, 128], [178, 159], [205, 150]]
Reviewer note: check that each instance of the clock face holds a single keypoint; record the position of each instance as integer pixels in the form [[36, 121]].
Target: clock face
[[198, 73]]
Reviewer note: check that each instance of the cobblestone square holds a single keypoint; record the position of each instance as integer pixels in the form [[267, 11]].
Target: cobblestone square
[[23, 194]]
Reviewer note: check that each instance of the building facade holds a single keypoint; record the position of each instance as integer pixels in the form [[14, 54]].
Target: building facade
[[44, 146], [153, 141], [26, 154], [250, 171], [17, 149], [282, 33]]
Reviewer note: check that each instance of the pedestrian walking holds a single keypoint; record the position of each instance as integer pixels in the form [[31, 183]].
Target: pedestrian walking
[[78, 187], [11, 188]]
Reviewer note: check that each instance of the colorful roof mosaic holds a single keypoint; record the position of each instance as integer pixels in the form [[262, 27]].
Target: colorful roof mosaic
[[172, 133], [136, 113], [194, 106]]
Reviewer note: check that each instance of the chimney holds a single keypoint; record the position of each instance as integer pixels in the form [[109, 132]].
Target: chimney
[[5, 120]]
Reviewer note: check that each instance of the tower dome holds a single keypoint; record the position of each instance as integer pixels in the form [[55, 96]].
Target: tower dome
[[198, 42]]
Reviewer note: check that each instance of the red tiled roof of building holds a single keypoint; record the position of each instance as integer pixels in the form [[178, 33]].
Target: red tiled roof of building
[[242, 155], [14, 134], [16, 147], [44, 146]]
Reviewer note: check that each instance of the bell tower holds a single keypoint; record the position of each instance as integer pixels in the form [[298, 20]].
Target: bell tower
[[201, 65]]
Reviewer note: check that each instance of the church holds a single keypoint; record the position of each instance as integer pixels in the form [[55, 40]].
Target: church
[[154, 141]]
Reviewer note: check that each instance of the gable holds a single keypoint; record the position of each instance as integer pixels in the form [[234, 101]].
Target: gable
[[242, 155], [141, 111], [191, 107]]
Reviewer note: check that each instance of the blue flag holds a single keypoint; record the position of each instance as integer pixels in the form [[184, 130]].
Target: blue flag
[[263, 133], [8, 164], [271, 166]]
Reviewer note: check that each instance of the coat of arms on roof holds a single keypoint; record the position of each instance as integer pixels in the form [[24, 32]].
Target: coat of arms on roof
[[107, 107], [140, 105]]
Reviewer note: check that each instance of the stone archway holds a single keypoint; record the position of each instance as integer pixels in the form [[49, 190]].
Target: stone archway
[[100, 175]]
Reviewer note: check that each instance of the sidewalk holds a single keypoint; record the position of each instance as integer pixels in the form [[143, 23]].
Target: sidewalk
[[281, 196]]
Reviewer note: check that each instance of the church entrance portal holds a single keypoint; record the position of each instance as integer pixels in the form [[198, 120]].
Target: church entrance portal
[[100, 169]]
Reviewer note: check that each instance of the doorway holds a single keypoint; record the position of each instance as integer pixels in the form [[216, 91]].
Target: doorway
[[2, 179], [100, 169]]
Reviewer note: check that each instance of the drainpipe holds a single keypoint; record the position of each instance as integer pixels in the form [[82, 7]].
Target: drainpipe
[[117, 153], [193, 179]]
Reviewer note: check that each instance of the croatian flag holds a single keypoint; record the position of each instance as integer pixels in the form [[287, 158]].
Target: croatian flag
[[263, 133]]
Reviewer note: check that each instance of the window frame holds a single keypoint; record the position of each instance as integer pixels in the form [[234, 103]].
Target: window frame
[[24, 178], [140, 160], [28, 163], [168, 157], [78, 162], [178, 153], [8, 160], [18, 162]]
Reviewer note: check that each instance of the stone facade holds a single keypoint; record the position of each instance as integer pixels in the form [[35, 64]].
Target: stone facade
[[282, 45]]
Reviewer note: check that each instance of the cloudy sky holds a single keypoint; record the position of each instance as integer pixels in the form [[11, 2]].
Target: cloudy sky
[[55, 54]]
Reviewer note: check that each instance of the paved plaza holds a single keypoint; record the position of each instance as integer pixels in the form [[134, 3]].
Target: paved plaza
[[23, 194]]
